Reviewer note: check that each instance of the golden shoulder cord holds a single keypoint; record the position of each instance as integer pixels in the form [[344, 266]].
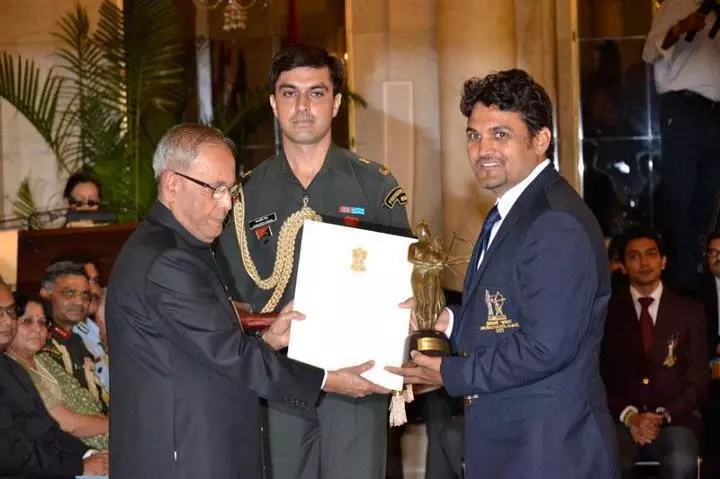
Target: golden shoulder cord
[[284, 257]]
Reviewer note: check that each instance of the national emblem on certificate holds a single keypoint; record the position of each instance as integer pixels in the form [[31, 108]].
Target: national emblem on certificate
[[350, 283]]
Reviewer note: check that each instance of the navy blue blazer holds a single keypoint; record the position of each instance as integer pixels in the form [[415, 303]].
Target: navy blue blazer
[[529, 333]]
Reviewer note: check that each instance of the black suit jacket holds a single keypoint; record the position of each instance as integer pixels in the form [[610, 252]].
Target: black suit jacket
[[707, 294], [186, 379], [634, 378], [32, 445]]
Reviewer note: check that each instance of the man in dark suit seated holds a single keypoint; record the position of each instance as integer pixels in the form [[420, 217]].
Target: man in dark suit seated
[[708, 295], [654, 363], [31, 443]]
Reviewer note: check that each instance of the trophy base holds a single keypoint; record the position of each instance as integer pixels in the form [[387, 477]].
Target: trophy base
[[428, 342]]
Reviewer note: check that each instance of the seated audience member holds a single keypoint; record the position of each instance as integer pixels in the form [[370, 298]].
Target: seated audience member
[[100, 317], [654, 363], [709, 295], [82, 193], [88, 329], [32, 445], [68, 403], [66, 288]]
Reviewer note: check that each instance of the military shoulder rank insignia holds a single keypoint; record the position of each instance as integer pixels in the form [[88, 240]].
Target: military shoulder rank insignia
[[362, 159], [497, 320], [396, 196], [384, 170]]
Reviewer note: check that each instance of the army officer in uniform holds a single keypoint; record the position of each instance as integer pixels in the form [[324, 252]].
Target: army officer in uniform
[[348, 437]]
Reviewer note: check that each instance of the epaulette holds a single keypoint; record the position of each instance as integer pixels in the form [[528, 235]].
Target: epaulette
[[383, 170], [244, 175]]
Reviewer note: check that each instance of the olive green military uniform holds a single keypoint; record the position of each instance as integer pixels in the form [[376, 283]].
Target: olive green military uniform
[[348, 438]]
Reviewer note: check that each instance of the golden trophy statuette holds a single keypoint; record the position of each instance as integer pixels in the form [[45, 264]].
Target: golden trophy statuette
[[429, 261]]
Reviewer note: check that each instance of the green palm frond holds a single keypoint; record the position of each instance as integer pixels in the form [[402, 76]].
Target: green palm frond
[[24, 205], [37, 100], [145, 55], [245, 114]]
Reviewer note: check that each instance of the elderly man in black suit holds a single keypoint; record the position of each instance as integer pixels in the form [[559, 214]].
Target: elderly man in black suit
[[32, 445], [186, 378]]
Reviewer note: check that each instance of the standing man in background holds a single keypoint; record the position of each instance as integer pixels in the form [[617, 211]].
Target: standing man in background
[[687, 76], [348, 437]]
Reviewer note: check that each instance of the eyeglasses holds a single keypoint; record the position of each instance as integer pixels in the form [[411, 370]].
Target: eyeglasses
[[713, 253], [29, 321], [217, 191], [91, 203], [68, 293], [10, 311]]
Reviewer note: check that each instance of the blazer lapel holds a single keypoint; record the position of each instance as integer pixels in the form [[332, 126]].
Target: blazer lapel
[[518, 210]]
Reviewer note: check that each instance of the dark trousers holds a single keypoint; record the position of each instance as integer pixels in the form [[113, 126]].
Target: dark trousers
[[711, 430], [690, 179], [445, 435], [676, 449]]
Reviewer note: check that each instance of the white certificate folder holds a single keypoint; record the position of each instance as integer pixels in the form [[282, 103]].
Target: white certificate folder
[[349, 284]]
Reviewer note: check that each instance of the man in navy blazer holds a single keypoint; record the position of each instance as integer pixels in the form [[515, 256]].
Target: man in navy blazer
[[527, 336]]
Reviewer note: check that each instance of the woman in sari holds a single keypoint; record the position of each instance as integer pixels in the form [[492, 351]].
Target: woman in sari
[[72, 406]]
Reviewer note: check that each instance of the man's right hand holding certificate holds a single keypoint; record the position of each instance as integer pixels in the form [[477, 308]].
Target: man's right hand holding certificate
[[348, 382]]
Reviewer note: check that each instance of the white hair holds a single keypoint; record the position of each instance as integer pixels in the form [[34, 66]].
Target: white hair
[[179, 147]]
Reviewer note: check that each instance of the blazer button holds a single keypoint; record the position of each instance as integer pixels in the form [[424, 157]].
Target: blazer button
[[646, 381]]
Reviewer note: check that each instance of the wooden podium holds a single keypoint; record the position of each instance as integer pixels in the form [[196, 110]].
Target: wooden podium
[[37, 248]]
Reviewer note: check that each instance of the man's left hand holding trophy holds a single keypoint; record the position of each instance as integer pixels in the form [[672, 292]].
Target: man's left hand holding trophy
[[430, 319]]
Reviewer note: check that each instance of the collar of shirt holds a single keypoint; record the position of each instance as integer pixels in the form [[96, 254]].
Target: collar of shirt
[[508, 199], [653, 309], [334, 161]]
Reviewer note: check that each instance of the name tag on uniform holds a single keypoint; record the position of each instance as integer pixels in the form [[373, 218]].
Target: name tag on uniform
[[262, 221]]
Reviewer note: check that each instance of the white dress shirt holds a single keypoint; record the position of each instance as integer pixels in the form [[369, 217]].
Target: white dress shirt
[[693, 66], [654, 306], [504, 205]]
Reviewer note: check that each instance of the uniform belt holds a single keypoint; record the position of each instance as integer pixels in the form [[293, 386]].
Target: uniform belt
[[468, 400]]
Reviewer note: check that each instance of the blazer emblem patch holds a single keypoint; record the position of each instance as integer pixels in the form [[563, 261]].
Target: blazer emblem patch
[[497, 320], [671, 357]]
